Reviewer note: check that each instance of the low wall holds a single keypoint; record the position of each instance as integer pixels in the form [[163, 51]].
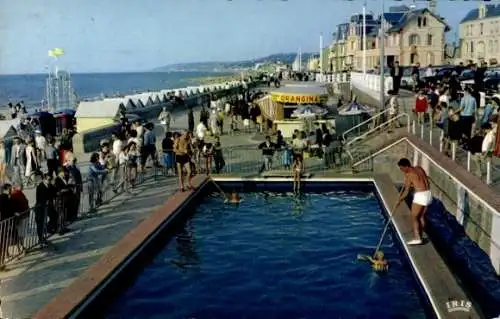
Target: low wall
[[474, 204]]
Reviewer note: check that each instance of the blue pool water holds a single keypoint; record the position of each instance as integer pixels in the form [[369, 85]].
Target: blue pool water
[[275, 256]]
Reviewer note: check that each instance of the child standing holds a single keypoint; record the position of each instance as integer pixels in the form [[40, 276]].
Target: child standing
[[297, 169]]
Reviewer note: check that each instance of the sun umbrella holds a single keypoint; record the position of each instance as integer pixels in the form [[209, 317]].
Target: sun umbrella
[[355, 108], [309, 111]]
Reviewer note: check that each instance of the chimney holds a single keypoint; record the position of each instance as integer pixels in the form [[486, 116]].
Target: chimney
[[482, 10]]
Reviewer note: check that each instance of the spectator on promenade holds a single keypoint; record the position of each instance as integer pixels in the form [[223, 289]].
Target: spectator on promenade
[[421, 106], [468, 110], [97, 173], [204, 116], [20, 207], [76, 180], [44, 207], [133, 156], [190, 119], [415, 74], [393, 110], [268, 148], [64, 195], [18, 161], [40, 143], [491, 104], [3, 162], [218, 155], [167, 145], [51, 157], [182, 145], [396, 74], [8, 232], [149, 147], [32, 163], [165, 118]]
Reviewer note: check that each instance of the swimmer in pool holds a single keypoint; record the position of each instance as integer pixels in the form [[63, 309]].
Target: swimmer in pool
[[379, 263], [297, 168], [235, 198]]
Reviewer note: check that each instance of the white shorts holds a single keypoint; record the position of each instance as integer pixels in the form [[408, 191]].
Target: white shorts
[[423, 198]]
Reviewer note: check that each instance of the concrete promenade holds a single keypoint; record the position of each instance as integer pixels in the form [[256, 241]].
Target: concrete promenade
[[36, 278]]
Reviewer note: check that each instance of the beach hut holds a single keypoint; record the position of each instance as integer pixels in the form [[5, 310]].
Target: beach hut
[[157, 98], [147, 100], [92, 115], [136, 100], [7, 129]]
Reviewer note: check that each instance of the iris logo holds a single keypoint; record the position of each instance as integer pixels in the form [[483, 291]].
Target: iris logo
[[459, 305]]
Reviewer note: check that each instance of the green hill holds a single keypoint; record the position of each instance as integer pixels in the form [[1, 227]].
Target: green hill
[[285, 58]]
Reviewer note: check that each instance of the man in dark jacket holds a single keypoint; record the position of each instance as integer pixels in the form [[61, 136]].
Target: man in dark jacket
[[396, 74]]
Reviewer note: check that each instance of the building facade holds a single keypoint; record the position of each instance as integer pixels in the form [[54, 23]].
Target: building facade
[[410, 36], [479, 34], [338, 48]]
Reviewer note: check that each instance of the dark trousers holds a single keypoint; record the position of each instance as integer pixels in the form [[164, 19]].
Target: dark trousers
[[148, 150], [466, 124], [396, 83], [41, 222], [52, 165]]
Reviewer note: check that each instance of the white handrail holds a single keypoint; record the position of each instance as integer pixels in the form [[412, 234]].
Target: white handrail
[[363, 123], [381, 125], [378, 152]]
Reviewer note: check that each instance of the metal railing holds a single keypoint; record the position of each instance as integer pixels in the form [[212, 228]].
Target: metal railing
[[478, 164], [385, 124], [360, 127]]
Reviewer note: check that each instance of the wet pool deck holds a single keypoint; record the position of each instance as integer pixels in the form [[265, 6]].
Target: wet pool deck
[[436, 278]]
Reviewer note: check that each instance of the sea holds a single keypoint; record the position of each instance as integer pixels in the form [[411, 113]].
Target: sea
[[30, 88]]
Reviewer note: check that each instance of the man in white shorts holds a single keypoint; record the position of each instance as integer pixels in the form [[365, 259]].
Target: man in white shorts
[[416, 178]]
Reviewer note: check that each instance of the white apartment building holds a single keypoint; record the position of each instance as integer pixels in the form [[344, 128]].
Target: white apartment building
[[479, 34]]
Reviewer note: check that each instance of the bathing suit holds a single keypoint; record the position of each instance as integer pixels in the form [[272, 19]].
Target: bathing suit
[[422, 198], [182, 159]]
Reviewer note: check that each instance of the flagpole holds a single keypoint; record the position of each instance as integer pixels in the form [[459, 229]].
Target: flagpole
[[364, 38], [321, 53], [382, 58]]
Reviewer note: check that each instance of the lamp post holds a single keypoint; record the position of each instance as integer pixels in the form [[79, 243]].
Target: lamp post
[[382, 57], [364, 38]]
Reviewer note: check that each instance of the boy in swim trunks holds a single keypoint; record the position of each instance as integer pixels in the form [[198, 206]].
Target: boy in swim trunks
[[417, 178], [235, 198], [296, 173]]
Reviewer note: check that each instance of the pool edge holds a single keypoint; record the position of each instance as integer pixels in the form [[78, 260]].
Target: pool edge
[[437, 280]]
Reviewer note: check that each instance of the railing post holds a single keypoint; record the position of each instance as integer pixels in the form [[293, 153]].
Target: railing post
[[430, 136], [468, 160], [422, 131], [408, 122], [414, 127], [453, 150], [488, 171], [441, 137]]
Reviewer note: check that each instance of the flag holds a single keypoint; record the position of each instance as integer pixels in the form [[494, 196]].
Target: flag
[[58, 51], [51, 53]]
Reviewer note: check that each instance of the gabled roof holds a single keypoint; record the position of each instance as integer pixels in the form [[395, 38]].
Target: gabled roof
[[491, 12], [410, 16], [7, 129], [147, 100], [157, 98], [107, 108]]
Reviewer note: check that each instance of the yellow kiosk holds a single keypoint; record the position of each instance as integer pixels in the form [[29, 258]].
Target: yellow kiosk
[[277, 107]]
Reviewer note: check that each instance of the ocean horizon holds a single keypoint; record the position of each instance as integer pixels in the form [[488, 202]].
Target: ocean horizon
[[30, 88]]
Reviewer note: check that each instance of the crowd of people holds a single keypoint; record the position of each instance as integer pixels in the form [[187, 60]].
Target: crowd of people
[[457, 112]]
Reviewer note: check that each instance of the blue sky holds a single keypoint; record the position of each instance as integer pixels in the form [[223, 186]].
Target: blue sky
[[135, 35]]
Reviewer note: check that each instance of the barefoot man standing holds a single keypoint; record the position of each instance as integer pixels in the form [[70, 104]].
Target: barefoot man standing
[[417, 178], [181, 148]]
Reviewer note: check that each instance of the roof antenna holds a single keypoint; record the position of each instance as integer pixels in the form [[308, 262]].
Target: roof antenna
[[413, 6]]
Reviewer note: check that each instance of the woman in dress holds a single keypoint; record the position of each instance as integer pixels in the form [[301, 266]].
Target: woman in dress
[[3, 162], [32, 165], [421, 106]]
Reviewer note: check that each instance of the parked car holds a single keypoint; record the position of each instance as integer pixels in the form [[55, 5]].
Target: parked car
[[439, 74], [492, 80]]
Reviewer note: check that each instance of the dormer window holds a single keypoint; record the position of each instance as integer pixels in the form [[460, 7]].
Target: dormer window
[[424, 21], [482, 12], [419, 22]]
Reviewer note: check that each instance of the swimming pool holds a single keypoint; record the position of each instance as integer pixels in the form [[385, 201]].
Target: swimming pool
[[276, 256]]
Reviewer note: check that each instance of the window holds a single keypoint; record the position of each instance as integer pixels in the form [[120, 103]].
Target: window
[[429, 39], [466, 48], [424, 21], [472, 47], [413, 58], [419, 22], [495, 46], [413, 39], [430, 58], [481, 26], [481, 49], [490, 46]]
